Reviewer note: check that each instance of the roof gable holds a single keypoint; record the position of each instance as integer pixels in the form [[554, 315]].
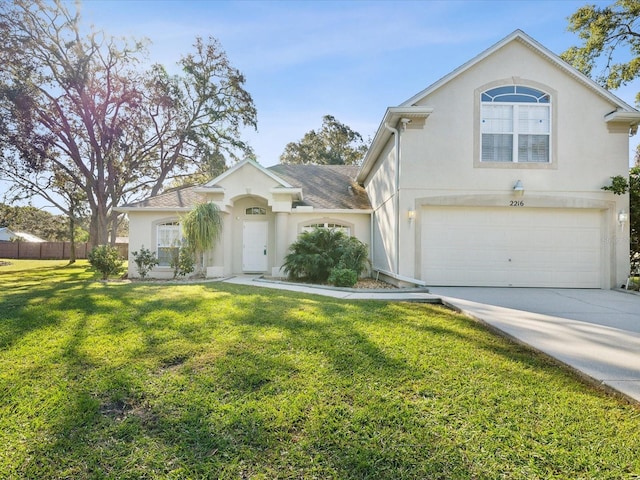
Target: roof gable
[[538, 48], [417, 106], [239, 166]]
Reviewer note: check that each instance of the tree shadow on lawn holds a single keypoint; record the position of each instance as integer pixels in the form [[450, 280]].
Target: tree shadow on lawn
[[41, 300], [225, 381], [214, 411]]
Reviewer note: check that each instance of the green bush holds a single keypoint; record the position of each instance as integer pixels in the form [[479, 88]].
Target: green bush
[[316, 253], [343, 277], [354, 255], [145, 260], [182, 261], [106, 260]]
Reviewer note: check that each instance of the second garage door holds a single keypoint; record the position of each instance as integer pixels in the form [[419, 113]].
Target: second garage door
[[526, 247]]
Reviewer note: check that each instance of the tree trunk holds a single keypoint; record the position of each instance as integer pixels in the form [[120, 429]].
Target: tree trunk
[[98, 230], [72, 235]]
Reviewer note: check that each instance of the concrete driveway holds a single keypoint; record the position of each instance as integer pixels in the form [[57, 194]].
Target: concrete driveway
[[596, 332]]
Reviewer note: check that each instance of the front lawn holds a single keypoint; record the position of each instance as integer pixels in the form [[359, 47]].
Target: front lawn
[[212, 380]]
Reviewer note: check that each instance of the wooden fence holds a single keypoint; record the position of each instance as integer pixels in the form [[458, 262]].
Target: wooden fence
[[50, 250]]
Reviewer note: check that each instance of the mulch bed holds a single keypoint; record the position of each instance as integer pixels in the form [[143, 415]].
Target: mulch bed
[[372, 283]]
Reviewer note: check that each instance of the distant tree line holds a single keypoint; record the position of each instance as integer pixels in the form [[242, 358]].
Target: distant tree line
[[54, 228]]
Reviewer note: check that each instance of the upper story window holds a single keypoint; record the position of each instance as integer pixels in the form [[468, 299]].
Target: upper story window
[[255, 211], [515, 125], [169, 237], [333, 226]]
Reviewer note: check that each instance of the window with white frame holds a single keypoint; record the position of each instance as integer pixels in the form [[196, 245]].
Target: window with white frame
[[169, 237], [330, 225], [255, 211], [515, 122]]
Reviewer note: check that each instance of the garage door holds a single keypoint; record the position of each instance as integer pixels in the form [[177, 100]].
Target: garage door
[[526, 247]]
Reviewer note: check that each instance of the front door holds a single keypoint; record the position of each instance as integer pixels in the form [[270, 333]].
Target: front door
[[254, 246]]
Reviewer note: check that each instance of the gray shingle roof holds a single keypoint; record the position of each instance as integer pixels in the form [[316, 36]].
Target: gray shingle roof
[[323, 187], [326, 186], [177, 198]]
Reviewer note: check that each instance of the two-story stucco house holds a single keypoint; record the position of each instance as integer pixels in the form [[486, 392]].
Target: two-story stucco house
[[492, 176]]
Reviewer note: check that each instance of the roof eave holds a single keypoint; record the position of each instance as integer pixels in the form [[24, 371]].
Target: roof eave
[[293, 191], [203, 189], [623, 116], [152, 209], [332, 210], [391, 118]]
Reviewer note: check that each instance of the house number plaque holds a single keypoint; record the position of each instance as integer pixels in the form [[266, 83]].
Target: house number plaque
[[516, 203]]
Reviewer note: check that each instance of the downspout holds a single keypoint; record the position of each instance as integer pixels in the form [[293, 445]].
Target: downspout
[[371, 239], [396, 134]]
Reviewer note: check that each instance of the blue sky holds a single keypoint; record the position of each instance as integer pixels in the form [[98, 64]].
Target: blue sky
[[305, 59]]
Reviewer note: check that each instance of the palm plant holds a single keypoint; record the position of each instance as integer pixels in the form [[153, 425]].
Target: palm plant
[[202, 227], [316, 253]]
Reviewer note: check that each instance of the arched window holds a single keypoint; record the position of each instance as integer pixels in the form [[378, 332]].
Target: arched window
[[169, 235], [255, 211], [515, 123], [333, 226]]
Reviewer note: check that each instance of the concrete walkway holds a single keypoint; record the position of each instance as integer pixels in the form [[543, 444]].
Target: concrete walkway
[[595, 332], [408, 295]]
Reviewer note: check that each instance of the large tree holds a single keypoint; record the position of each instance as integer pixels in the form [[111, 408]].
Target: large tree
[[334, 144], [610, 54], [77, 105], [610, 50]]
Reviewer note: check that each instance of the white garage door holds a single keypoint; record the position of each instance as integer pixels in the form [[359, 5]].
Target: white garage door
[[520, 247]]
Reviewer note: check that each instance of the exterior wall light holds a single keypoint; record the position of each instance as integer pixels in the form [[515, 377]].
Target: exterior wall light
[[411, 214], [518, 188], [623, 217]]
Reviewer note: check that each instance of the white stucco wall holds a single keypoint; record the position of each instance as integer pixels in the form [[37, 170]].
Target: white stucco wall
[[440, 159], [226, 257], [381, 186]]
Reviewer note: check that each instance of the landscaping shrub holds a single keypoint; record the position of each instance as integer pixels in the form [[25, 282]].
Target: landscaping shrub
[[316, 253], [354, 255], [145, 260], [182, 261], [343, 277], [106, 260]]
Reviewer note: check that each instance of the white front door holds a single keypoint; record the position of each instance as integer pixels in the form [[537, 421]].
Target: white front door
[[254, 246]]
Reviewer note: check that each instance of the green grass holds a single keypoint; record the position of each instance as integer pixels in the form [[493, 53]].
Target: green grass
[[211, 380]]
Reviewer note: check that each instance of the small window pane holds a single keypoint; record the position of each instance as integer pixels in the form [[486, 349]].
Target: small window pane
[[540, 96], [533, 148], [165, 254], [497, 148], [497, 118], [533, 119], [505, 90]]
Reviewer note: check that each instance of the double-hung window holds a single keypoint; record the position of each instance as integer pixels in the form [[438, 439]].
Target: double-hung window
[[169, 239], [515, 122]]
